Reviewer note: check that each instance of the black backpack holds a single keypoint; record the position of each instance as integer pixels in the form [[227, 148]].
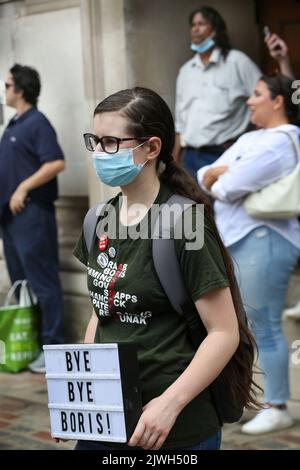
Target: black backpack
[[228, 409]]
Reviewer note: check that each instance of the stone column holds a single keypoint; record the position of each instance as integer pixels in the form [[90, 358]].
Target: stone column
[[104, 56], [70, 212]]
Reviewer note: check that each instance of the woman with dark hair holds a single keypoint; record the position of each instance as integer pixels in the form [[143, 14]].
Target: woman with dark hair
[[211, 92], [265, 250], [132, 144]]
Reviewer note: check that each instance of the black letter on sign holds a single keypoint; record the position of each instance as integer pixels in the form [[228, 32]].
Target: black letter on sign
[[71, 391], [86, 361], [77, 359], [99, 419], [89, 391], [80, 387], [64, 426], [90, 422], [73, 421], [108, 423], [69, 361], [80, 423]]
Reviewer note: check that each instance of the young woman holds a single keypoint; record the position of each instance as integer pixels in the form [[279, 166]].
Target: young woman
[[265, 251], [132, 143]]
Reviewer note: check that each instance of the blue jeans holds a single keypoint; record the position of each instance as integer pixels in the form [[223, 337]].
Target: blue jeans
[[264, 261], [30, 249], [193, 160], [212, 443]]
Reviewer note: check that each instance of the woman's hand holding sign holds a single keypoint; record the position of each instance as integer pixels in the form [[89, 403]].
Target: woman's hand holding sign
[[155, 423]]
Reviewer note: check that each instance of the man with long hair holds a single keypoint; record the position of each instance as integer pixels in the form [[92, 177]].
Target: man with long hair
[[211, 92]]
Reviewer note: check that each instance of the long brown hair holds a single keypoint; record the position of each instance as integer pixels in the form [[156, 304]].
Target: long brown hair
[[218, 23], [149, 115]]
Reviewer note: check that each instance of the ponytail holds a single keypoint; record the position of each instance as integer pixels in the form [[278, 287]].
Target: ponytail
[[182, 183]]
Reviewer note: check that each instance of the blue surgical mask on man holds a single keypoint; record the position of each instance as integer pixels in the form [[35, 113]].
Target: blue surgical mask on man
[[117, 169], [204, 46]]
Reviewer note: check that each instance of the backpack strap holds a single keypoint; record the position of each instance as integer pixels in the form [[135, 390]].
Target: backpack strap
[[90, 223], [164, 254], [168, 269]]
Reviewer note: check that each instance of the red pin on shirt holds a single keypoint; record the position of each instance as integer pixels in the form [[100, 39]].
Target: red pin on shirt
[[102, 242]]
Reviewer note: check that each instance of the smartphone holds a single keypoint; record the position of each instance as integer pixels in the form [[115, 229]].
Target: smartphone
[[267, 31]]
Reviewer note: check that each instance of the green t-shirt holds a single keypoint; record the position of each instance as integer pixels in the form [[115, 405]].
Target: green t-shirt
[[128, 290]]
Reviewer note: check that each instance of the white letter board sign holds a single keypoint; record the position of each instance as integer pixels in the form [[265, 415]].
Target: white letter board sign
[[93, 390]]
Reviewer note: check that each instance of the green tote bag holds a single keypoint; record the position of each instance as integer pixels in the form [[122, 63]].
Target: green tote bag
[[19, 330]]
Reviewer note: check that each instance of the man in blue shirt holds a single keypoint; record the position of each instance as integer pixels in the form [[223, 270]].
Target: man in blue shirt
[[30, 159]]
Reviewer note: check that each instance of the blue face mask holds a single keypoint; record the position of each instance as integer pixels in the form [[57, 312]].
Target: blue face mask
[[117, 169], [204, 46]]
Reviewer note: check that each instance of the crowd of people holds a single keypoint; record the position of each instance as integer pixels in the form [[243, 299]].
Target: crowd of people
[[233, 135]]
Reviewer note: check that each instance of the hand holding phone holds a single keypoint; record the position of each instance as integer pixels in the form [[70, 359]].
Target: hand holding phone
[[277, 47]]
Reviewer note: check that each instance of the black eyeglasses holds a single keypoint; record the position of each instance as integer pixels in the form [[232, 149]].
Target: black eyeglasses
[[109, 144]]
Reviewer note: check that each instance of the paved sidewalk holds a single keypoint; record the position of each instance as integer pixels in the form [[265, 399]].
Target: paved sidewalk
[[24, 421]]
